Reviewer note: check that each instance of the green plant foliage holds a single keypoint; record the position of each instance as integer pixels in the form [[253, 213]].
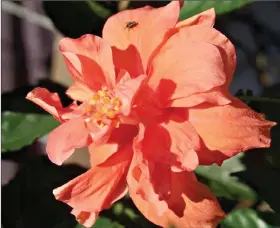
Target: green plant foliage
[[103, 222], [244, 218], [20, 129], [191, 8], [223, 184]]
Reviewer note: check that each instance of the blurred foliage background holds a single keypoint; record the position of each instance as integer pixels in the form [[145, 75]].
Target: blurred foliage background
[[247, 185]]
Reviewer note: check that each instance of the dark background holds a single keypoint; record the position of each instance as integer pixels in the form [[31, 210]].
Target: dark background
[[27, 58]]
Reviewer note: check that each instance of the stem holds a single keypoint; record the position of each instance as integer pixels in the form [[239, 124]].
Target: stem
[[98, 9]]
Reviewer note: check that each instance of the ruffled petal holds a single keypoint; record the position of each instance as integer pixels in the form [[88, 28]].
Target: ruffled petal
[[216, 96], [209, 35], [98, 188], [63, 140], [128, 59], [50, 102], [143, 37], [119, 138], [145, 178], [146, 105], [89, 72], [76, 111], [193, 35], [85, 218], [100, 153], [126, 90], [89, 60], [229, 129], [190, 205], [183, 68], [79, 92], [172, 142], [205, 18], [99, 135]]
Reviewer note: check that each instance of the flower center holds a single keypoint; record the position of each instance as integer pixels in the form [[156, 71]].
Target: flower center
[[103, 108]]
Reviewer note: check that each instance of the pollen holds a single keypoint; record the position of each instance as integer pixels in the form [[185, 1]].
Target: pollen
[[104, 108]]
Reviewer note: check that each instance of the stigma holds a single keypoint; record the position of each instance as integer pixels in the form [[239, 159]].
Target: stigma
[[104, 108]]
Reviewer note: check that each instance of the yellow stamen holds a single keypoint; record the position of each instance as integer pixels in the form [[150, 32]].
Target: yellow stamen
[[96, 97], [102, 93], [102, 107], [88, 108], [111, 114], [114, 99], [93, 102], [117, 108], [106, 100], [104, 110], [117, 103], [97, 116]]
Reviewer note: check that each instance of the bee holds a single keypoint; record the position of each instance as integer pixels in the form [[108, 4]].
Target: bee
[[131, 24]]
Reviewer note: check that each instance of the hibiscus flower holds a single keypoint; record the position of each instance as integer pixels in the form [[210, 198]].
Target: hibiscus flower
[[154, 104]]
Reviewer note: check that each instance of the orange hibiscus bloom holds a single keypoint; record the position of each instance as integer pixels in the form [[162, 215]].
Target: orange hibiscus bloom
[[154, 104]]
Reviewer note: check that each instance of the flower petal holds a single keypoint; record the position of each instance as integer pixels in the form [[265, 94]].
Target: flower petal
[[99, 187], [119, 138], [146, 35], [183, 68], [76, 111], [85, 71], [87, 219], [205, 18], [145, 177], [89, 60], [99, 135], [63, 140], [50, 102], [128, 59], [212, 36], [220, 95], [147, 106], [100, 153], [191, 205], [148, 183], [216, 96], [173, 142], [126, 90], [229, 129], [79, 92], [145, 180]]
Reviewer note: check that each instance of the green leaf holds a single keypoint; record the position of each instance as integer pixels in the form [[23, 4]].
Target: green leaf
[[19, 129], [223, 184], [259, 99], [103, 222], [191, 8], [99, 9], [244, 218]]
